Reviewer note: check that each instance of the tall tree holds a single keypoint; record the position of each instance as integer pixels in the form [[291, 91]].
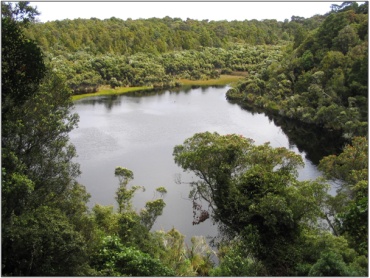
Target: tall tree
[[252, 191], [38, 175], [22, 66], [350, 168]]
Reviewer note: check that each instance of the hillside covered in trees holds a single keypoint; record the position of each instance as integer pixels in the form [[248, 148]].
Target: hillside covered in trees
[[321, 80], [156, 52], [312, 70]]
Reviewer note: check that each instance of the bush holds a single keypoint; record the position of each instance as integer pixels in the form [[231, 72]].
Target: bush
[[114, 259]]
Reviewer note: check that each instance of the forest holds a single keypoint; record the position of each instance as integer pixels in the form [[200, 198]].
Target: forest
[[312, 70]]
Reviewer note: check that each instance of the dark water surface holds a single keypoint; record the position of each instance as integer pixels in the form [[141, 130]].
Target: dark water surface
[[140, 132]]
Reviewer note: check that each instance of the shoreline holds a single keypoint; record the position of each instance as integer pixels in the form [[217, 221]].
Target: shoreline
[[106, 90]]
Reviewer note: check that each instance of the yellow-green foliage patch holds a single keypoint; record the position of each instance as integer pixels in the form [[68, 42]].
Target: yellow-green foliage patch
[[104, 91], [223, 80]]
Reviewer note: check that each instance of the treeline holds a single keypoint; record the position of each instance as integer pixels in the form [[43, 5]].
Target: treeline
[[323, 79], [127, 37], [155, 52], [85, 72]]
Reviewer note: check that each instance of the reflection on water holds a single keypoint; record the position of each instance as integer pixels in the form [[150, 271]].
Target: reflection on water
[[316, 142], [139, 131]]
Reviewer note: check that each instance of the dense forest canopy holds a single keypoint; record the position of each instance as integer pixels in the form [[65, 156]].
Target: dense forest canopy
[[154, 51], [154, 35], [313, 70], [323, 78]]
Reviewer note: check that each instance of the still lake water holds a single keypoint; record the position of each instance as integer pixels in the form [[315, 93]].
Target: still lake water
[[140, 132]]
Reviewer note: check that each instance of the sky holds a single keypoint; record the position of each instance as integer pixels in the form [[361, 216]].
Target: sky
[[246, 10]]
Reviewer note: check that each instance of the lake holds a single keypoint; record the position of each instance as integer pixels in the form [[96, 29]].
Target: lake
[[139, 131]]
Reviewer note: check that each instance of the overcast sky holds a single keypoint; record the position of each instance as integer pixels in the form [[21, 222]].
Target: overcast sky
[[195, 10]]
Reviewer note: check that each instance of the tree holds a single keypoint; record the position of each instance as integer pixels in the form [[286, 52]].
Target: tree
[[36, 145], [150, 213], [124, 195], [22, 66], [252, 191], [106, 219], [20, 12], [37, 162], [235, 260], [353, 221], [114, 83], [351, 166], [329, 264], [316, 244], [38, 175], [43, 243], [132, 227], [36, 156], [347, 37], [307, 60], [351, 169], [199, 255], [334, 46], [114, 259], [299, 35]]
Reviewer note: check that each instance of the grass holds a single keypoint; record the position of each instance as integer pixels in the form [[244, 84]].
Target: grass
[[106, 90], [223, 80]]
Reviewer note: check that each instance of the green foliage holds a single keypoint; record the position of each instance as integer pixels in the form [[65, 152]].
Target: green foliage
[[86, 72], [19, 12], [347, 38], [123, 194], [161, 190], [22, 66], [353, 220], [113, 259], [307, 60], [124, 175], [351, 167], [151, 52], [16, 190], [132, 232], [173, 252], [199, 255], [323, 79], [235, 261], [152, 35], [329, 264], [253, 191], [152, 210], [318, 241], [44, 232], [326, 253], [105, 219], [132, 228], [193, 260], [43, 243], [35, 144]]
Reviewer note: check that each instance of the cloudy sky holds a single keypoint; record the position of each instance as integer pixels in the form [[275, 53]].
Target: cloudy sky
[[195, 10]]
